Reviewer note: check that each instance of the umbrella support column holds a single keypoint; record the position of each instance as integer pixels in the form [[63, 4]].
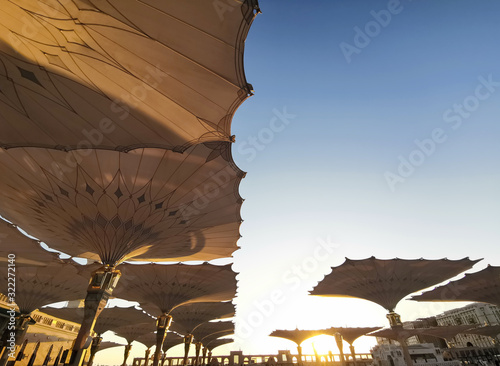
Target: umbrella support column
[[197, 357], [353, 353], [96, 342], [162, 325], [340, 346], [187, 343], [395, 322], [128, 347], [100, 288]]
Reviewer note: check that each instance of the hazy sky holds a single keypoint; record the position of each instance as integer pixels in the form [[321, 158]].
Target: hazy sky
[[373, 131]]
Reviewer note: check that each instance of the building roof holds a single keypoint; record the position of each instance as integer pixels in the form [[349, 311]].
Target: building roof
[[82, 66], [148, 204], [387, 281], [160, 288], [481, 286], [189, 316], [297, 335]]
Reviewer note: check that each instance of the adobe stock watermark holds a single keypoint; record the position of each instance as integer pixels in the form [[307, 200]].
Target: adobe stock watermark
[[256, 143], [454, 116], [363, 36], [292, 277]]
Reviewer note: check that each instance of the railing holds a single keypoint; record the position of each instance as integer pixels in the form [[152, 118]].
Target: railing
[[283, 358]]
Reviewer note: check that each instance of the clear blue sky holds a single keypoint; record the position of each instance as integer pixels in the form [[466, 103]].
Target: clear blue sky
[[346, 168]]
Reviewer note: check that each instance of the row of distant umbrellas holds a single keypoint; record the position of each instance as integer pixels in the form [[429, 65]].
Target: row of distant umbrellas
[[115, 146], [387, 282]]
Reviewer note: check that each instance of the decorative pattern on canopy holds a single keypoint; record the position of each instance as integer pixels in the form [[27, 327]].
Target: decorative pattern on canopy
[[218, 342], [298, 335], [482, 286], [39, 286], [149, 204], [387, 281], [349, 334], [109, 319], [73, 74], [28, 251], [161, 288], [188, 317]]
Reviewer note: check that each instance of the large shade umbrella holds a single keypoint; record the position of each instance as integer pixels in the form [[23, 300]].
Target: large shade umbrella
[[190, 316], [297, 336], [349, 335], [490, 331], [121, 74], [160, 288], [132, 333], [387, 282], [148, 204], [447, 332], [149, 340], [481, 286]]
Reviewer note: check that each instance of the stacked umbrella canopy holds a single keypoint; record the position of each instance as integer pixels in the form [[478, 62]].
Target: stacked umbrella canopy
[[117, 116]]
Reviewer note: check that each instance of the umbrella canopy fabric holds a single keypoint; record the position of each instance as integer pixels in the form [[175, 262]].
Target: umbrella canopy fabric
[[39, 286], [396, 333], [107, 344], [349, 334], [109, 319], [74, 73], [213, 336], [387, 281], [489, 331], [133, 332], [208, 331], [482, 286], [298, 335], [149, 204], [160, 288], [447, 332], [148, 339], [218, 342], [188, 317], [27, 251], [171, 340]]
